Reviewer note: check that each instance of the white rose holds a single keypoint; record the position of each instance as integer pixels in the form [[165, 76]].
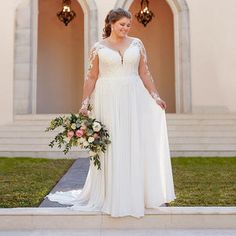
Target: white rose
[[81, 140], [96, 126], [73, 126], [90, 139], [92, 153], [85, 144]]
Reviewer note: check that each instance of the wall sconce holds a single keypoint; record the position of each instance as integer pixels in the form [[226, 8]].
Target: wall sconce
[[144, 16], [66, 15]]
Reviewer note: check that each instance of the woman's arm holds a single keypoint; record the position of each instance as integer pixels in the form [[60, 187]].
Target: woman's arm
[[90, 79], [146, 77]]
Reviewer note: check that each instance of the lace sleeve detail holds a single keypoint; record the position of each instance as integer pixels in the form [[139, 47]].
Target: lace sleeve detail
[[145, 73], [92, 61], [143, 66], [91, 76]]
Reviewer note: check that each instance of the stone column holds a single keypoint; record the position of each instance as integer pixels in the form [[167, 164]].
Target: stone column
[[22, 63]]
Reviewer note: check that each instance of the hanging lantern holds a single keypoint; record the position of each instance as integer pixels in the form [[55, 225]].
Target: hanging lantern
[[144, 16], [66, 15]]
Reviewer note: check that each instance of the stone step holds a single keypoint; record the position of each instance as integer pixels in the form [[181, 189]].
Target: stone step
[[201, 134], [37, 116], [172, 140], [160, 218], [207, 128], [45, 154], [201, 122], [173, 147], [229, 118], [171, 133], [203, 153], [205, 147], [202, 140], [76, 154], [189, 121], [23, 128], [175, 127], [27, 134], [39, 147], [202, 115], [121, 232], [168, 115], [195, 134]]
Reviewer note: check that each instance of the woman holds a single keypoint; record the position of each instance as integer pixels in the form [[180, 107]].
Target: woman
[[136, 168]]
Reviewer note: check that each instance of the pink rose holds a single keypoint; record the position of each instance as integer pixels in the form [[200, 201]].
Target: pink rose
[[79, 133], [70, 134]]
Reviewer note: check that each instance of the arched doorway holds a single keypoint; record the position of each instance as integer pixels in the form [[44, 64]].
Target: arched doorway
[[31, 77], [158, 38], [179, 8], [60, 60]]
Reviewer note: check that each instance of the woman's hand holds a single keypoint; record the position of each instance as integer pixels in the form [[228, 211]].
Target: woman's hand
[[83, 111], [84, 107], [158, 100], [161, 103]]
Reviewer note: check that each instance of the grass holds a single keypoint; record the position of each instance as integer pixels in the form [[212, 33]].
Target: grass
[[199, 181], [25, 181], [204, 181]]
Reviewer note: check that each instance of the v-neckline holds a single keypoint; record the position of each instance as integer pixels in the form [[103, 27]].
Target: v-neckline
[[118, 51]]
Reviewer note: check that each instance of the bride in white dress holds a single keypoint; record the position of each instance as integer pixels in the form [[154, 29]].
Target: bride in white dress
[[136, 170]]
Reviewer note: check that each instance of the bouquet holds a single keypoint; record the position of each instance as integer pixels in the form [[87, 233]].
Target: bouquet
[[81, 130]]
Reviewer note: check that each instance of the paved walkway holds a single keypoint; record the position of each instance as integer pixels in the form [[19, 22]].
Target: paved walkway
[[146, 232], [73, 179]]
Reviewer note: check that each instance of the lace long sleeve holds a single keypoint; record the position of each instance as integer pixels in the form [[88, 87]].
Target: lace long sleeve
[[91, 76], [145, 74]]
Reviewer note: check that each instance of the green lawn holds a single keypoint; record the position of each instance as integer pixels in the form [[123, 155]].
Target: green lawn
[[198, 181], [25, 181], [204, 181]]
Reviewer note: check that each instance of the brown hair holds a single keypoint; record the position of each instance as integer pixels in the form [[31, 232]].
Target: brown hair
[[113, 16]]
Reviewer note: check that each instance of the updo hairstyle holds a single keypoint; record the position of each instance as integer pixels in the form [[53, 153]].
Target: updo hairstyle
[[113, 16]]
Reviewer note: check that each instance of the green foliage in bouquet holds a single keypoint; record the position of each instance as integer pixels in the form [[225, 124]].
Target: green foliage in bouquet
[[81, 130]]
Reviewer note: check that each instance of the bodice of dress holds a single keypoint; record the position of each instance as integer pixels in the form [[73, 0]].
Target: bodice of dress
[[108, 63], [112, 64]]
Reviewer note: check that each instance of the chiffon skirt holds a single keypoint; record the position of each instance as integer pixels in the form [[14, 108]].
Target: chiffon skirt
[[136, 171]]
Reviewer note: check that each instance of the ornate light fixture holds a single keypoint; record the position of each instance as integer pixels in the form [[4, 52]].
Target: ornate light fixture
[[144, 16], [66, 15]]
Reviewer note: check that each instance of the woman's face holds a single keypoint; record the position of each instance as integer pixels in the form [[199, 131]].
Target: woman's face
[[121, 27]]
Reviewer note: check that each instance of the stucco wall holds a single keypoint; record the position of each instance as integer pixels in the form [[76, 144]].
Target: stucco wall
[[213, 49]]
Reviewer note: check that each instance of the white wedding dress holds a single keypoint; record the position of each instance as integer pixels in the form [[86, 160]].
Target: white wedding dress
[[136, 170]]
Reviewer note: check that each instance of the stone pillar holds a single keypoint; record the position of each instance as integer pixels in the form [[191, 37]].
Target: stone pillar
[[22, 63]]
